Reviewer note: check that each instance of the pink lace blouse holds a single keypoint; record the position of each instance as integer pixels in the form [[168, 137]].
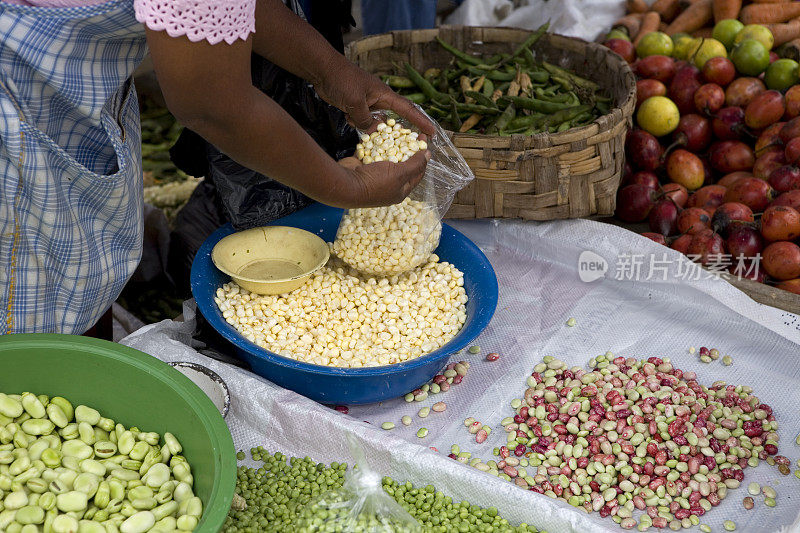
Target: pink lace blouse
[[211, 20]]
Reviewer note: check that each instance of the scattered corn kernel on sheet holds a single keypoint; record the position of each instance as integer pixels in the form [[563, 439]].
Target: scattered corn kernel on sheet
[[540, 290]]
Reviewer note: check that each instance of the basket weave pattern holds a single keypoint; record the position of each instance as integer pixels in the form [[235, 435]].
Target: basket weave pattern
[[540, 177]]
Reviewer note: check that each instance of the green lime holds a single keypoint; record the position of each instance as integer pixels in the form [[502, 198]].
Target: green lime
[[655, 44], [708, 48], [658, 115], [726, 30], [758, 32], [750, 57], [782, 74], [683, 46], [618, 34]]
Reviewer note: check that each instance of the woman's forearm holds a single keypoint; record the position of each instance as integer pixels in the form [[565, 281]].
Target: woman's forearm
[[291, 43], [258, 134]]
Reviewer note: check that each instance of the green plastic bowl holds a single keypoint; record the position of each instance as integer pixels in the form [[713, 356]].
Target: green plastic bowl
[[133, 389]]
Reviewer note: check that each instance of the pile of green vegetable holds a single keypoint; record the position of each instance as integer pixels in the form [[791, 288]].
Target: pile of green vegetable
[[503, 94], [274, 496], [67, 469]]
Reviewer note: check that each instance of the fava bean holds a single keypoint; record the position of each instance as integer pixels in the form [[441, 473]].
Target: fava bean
[[139, 451], [187, 523], [89, 526], [172, 443], [65, 405], [33, 406], [10, 407], [65, 524], [30, 514], [72, 501], [164, 510], [158, 475], [87, 414], [138, 522]]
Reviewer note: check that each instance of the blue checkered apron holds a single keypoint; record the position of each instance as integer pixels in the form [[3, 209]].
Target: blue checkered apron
[[70, 163]]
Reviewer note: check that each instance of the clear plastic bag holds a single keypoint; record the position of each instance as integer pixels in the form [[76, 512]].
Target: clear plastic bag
[[360, 506], [386, 241]]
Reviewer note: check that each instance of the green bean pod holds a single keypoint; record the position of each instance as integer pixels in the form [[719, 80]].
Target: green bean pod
[[502, 121], [463, 56], [398, 82], [480, 99], [494, 75], [536, 105], [573, 78], [425, 85]]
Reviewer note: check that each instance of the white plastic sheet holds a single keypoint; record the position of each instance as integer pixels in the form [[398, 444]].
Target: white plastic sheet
[[585, 19], [537, 267]]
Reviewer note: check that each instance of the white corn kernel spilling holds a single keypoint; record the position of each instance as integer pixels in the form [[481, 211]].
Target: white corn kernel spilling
[[344, 319], [384, 241]]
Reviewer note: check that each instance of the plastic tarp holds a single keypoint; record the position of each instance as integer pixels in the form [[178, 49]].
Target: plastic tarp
[[645, 302]]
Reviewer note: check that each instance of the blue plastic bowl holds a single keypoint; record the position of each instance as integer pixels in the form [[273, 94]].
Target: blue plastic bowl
[[350, 385]]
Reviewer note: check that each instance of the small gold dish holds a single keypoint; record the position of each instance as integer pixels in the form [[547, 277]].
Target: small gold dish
[[270, 259]]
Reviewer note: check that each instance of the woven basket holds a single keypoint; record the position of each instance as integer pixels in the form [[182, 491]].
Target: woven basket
[[541, 177]]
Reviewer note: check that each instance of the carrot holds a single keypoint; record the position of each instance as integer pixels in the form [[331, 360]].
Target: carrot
[[768, 1], [631, 23], [693, 18], [703, 33], [769, 13], [785, 32], [726, 9], [668, 9], [650, 23], [636, 6]]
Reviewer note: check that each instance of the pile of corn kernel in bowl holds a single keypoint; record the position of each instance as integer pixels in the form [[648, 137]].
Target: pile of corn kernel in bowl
[[398, 303]]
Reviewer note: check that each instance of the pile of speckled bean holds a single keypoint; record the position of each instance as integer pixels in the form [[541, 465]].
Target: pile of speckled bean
[[633, 436]]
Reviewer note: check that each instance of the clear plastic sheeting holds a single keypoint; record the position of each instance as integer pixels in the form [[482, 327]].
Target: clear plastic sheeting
[[537, 265], [390, 240], [360, 505]]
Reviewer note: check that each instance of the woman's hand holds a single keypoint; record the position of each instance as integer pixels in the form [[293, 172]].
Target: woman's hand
[[357, 92], [381, 183]]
